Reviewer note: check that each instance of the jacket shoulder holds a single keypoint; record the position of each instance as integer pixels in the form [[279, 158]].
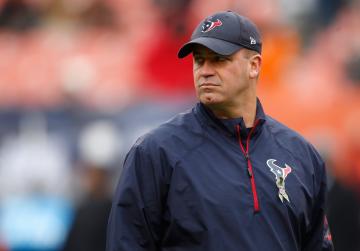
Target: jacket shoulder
[[291, 140], [176, 136]]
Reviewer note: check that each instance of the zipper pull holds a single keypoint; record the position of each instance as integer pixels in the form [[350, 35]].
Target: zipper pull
[[249, 172], [247, 157]]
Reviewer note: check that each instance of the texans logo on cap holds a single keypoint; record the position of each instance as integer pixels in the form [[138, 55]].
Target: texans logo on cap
[[209, 25]]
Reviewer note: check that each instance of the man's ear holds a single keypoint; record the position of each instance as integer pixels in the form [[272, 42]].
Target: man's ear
[[255, 65]]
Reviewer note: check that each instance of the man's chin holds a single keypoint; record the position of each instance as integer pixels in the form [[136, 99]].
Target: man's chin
[[210, 102]]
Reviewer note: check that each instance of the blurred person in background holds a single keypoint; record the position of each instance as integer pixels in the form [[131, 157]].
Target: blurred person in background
[[88, 230], [344, 194], [35, 212], [98, 147], [159, 62], [83, 13], [213, 178], [344, 216], [19, 15]]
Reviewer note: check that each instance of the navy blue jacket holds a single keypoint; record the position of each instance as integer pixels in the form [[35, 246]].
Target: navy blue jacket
[[197, 183]]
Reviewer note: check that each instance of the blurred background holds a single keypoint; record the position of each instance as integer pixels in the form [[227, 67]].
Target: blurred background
[[80, 80]]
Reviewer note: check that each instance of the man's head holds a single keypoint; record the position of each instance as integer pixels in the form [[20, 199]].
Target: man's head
[[226, 50]]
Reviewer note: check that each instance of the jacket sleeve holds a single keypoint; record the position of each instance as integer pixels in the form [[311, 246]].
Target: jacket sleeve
[[135, 221], [319, 237]]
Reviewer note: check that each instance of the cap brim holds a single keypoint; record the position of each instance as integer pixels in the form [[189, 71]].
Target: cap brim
[[219, 46]]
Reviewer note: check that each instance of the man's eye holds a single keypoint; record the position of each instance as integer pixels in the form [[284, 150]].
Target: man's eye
[[198, 60]]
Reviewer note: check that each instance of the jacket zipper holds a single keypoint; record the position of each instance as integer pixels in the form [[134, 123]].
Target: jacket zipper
[[245, 151]]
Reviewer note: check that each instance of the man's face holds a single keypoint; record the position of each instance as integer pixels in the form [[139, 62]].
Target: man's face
[[220, 80]]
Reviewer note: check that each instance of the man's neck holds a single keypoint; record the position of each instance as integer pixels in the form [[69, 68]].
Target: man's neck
[[246, 110]]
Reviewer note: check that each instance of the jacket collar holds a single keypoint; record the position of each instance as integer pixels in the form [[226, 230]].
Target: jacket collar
[[207, 117]]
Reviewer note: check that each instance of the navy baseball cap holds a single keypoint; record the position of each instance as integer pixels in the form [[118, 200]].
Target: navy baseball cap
[[224, 33]]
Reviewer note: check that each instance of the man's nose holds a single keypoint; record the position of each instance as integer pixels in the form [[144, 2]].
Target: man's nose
[[207, 69]]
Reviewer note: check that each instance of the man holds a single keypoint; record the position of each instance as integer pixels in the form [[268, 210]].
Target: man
[[222, 176]]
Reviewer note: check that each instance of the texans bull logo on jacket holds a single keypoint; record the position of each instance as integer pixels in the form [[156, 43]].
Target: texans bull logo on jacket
[[280, 175]]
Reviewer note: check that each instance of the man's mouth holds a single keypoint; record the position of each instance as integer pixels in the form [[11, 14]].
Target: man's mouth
[[208, 85]]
